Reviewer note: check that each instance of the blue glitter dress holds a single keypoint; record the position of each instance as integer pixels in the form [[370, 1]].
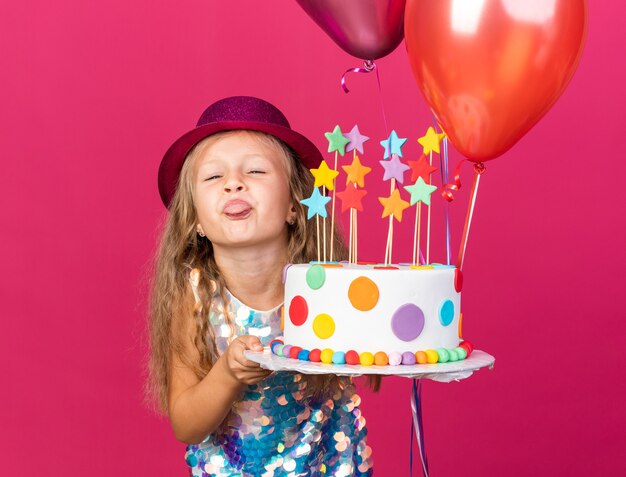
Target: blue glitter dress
[[273, 431]]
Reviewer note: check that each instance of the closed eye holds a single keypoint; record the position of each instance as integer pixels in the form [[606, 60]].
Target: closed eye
[[257, 172], [210, 178]]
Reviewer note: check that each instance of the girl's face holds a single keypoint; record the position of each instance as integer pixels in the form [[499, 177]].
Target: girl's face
[[242, 192]]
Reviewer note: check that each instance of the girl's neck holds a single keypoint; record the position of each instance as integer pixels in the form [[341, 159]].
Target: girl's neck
[[254, 274]]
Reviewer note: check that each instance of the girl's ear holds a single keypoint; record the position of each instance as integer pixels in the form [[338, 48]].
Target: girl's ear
[[291, 216], [199, 230]]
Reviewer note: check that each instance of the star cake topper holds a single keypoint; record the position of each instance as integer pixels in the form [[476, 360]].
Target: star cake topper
[[421, 168], [394, 169], [316, 204], [351, 198], [324, 176], [430, 141], [393, 144], [420, 191], [356, 139], [356, 172], [393, 205], [337, 141]]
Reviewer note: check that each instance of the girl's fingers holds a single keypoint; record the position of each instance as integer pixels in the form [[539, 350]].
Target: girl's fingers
[[243, 343], [242, 361], [252, 377], [251, 342]]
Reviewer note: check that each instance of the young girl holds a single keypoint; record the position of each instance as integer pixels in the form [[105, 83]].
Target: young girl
[[233, 187]]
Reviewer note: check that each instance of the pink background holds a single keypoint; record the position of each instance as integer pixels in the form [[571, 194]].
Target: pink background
[[92, 95]]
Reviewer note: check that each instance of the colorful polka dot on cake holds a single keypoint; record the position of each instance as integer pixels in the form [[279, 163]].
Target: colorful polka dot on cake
[[446, 312], [458, 280], [323, 326], [407, 322], [315, 277], [298, 310], [363, 293]]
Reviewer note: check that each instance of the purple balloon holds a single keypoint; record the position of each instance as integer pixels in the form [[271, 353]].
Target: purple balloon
[[367, 29]]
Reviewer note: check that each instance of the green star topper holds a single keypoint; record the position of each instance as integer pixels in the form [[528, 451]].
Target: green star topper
[[337, 141], [420, 191]]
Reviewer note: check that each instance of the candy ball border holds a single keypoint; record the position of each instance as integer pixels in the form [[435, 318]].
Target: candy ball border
[[380, 358]]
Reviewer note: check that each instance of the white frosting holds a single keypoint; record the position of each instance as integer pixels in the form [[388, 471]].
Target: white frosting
[[371, 330]]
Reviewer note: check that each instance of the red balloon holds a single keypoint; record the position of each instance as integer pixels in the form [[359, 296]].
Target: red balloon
[[367, 29], [490, 69]]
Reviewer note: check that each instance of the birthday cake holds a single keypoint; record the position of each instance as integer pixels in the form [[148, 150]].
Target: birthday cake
[[367, 313], [372, 314]]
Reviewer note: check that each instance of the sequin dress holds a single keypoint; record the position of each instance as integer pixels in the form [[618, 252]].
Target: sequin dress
[[273, 431]]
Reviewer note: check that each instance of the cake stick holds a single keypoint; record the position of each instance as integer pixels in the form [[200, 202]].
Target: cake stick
[[351, 239], [428, 221], [332, 214], [390, 232], [317, 221], [391, 241], [356, 237], [419, 220], [354, 212], [316, 204], [356, 240], [415, 236], [324, 226]]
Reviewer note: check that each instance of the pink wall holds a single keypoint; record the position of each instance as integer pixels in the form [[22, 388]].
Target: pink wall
[[94, 92]]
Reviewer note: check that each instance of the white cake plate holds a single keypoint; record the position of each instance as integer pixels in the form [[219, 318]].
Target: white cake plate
[[442, 372]]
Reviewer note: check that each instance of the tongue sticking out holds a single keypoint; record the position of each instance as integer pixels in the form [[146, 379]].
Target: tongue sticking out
[[237, 210]]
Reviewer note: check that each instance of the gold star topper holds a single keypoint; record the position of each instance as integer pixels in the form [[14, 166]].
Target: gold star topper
[[324, 176], [430, 141]]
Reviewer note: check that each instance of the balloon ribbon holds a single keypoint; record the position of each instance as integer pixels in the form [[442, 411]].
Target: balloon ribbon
[[443, 158], [479, 169], [417, 426], [369, 66]]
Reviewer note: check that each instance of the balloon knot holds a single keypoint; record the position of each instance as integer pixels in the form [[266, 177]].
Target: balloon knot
[[479, 168]]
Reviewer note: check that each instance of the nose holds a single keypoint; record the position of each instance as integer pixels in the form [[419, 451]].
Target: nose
[[234, 183]]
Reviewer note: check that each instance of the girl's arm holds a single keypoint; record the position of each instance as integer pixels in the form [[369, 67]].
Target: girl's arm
[[198, 407]]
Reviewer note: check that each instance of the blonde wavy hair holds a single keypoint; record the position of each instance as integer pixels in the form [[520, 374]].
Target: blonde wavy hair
[[181, 250]]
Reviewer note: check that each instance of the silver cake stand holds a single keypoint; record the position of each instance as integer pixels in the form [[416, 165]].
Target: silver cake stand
[[442, 372]]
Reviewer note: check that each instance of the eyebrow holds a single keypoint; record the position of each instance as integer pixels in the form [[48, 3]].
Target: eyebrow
[[209, 160]]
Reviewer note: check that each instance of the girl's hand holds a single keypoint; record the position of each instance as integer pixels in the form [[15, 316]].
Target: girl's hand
[[241, 369]]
